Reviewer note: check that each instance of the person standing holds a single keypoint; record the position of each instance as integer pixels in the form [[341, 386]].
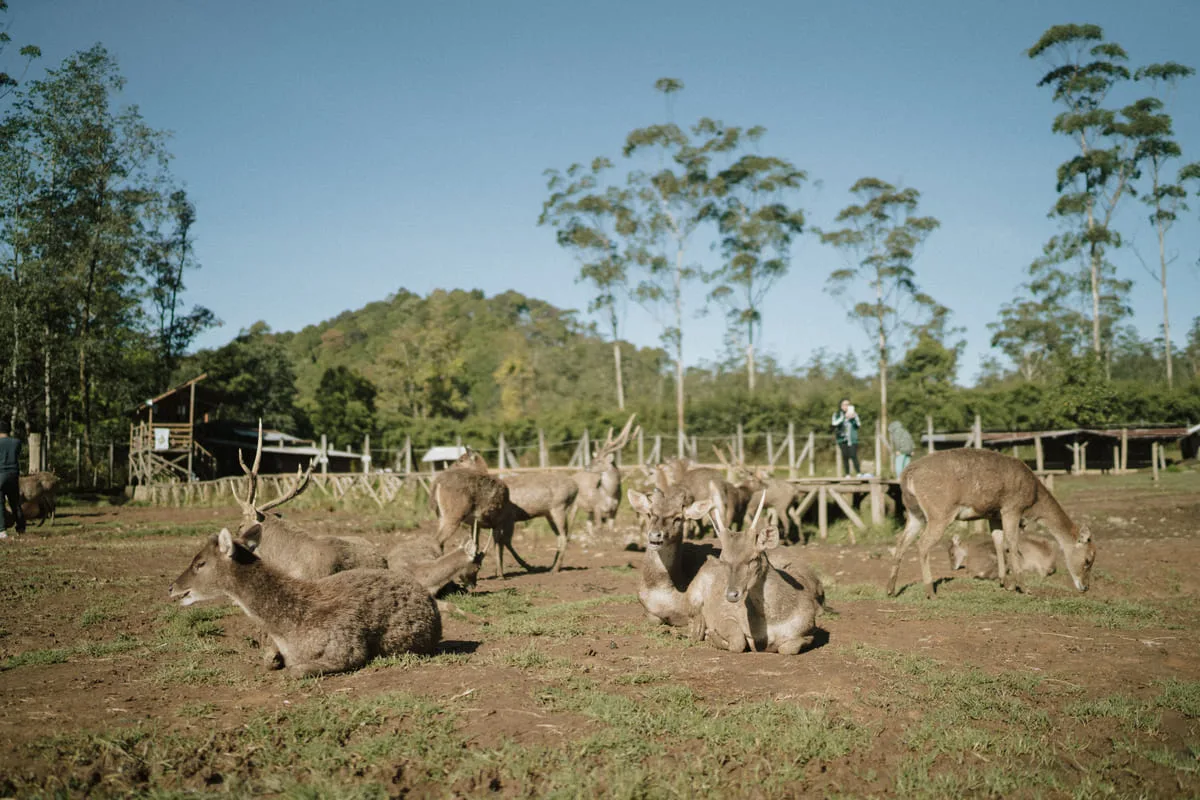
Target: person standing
[[902, 445], [10, 478], [845, 425]]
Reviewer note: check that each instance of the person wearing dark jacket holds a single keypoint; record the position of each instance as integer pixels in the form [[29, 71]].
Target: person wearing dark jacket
[[845, 427], [10, 478]]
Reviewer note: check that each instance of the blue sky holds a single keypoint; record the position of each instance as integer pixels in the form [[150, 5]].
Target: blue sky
[[337, 152]]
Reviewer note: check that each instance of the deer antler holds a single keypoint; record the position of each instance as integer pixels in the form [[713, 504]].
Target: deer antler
[[300, 486], [613, 445], [721, 457], [761, 500], [251, 473]]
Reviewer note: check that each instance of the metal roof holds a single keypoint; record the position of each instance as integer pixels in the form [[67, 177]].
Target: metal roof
[[445, 453]]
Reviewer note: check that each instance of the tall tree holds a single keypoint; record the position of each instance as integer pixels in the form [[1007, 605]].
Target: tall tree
[[345, 410], [1157, 149], [757, 225], [27, 52], [596, 223], [1084, 71], [880, 240]]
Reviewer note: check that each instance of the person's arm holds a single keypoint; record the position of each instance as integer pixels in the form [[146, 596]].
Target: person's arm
[[838, 418]]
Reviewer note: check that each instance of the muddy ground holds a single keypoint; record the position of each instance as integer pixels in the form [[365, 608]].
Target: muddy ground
[[559, 685]]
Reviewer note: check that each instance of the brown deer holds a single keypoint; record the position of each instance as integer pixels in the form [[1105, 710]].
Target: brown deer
[[779, 496], [978, 557], [39, 494], [670, 564], [436, 570], [332, 624], [287, 547], [599, 495], [966, 484], [467, 493], [696, 479], [746, 602], [539, 494]]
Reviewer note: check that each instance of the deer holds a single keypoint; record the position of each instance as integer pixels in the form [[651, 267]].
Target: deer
[[696, 479], [436, 570], [599, 495], [745, 601], [290, 549], [670, 565], [39, 494], [967, 484], [780, 496], [466, 491], [332, 624], [978, 557], [538, 494]]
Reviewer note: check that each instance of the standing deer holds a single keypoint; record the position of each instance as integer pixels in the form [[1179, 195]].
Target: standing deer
[[539, 494], [332, 624], [749, 603], [968, 484], [599, 495], [39, 491], [779, 496], [465, 492]]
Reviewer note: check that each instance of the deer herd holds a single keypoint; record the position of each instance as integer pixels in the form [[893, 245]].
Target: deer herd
[[330, 604]]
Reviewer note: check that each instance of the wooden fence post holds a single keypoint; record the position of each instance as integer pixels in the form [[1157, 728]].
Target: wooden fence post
[[978, 430], [641, 439], [878, 448], [366, 456], [1124, 449], [838, 459], [770, 451], [741, 443], [681, 444], [500, 447], [929, 432], [1154, 461], [408, 455], [1039, 454], [543, 454], [791, 448], [324, 454], [812, 453], [35, 453]]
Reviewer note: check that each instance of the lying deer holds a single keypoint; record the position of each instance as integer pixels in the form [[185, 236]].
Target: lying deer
[[435, 571], [966, 484], [333, 624], [978, 557], [290, 549], [670, 564], [747, 602]]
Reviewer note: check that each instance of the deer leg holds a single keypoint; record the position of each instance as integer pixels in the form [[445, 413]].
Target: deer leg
[[934, 529], [1012, 541], [559, 526], [501, 538], [903, 539]]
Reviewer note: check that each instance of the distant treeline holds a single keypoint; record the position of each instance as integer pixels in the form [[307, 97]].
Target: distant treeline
[[458, 363]]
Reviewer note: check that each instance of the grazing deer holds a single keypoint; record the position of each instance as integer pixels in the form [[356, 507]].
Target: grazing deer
[[434, 570], [749, 603], [966, 484], [978, 557], [599, 495], [290, 549], [39, 494], [465, 492], [333, 624]]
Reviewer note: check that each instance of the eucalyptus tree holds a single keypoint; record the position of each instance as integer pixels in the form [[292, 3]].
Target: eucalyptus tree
[[1085, 70], [1156, 149], [27, 52], [596, 223], [879, 243], [757, 225]]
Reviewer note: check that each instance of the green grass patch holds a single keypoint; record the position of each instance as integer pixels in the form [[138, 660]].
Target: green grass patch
[[1181, 696], [62, 655]]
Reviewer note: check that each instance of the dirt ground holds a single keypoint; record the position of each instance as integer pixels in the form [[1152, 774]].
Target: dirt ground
[[90, 647]]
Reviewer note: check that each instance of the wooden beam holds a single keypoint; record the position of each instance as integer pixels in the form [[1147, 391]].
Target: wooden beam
[[855, 519], [1154, 461], [876, 502], [1124, 449], [978, 429], [791, 449], [929, 432], [812, 453], [822, 512], [1039, 454]]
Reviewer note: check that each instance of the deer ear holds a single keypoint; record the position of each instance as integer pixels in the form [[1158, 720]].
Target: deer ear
[[698, 509], [1085, 534], [639, 501], [251, 538], [767, 538], [225, 542]]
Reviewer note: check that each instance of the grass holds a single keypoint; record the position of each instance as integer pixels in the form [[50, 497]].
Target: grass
[[62, 655]]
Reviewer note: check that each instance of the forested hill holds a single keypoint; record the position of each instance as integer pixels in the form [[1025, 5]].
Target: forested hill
[[460, 363]]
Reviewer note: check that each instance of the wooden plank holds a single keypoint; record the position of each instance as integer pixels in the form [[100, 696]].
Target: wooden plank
[[978, 430], [804, 504], [929, 431], [1154, 461], [876, 502], [1039, 453], [811, 449], [822, 512], [853, 516], [791, 448], [1124, 449]]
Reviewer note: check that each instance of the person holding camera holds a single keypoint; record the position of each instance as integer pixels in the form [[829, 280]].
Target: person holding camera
[[845, 427]]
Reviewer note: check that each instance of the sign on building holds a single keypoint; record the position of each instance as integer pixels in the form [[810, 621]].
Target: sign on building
[[162, 438]]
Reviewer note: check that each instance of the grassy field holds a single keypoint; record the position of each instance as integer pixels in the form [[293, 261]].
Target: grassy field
[[559, 686]]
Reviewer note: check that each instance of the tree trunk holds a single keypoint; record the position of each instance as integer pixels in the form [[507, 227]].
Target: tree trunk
[[679, 340], [1162, 259], [46, 347], [750, 366], [620, 380], [1097, 258]]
